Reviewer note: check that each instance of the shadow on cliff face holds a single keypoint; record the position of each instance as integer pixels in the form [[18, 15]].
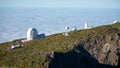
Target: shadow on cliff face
[[76, 58]]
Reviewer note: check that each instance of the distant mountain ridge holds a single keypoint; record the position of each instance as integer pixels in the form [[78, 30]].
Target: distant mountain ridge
[[98, 47]]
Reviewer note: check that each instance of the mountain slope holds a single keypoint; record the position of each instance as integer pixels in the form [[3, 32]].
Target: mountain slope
[[96, 47]]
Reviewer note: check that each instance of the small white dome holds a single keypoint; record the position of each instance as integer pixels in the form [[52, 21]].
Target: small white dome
[[67, 28], [74, 29], [115, 21], [31, 33]]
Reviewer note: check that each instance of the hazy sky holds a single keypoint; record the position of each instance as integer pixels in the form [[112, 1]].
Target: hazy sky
[[61, 3]]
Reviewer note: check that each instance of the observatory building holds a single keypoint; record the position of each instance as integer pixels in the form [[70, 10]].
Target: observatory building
[[74, 29], [115, 22], [32, 34], [86, 25]]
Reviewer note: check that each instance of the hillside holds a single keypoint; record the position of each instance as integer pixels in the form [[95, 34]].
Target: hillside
[[98, 47]]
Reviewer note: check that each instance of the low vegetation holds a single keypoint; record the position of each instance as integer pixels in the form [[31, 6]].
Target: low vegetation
[[33, 54]]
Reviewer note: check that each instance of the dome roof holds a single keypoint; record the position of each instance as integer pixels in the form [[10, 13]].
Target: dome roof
[[31, 33], [67, 28], [74, 29], [115, 21]]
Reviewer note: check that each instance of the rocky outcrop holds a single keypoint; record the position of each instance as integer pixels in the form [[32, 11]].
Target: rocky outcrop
[[105, 49], [99, 52]]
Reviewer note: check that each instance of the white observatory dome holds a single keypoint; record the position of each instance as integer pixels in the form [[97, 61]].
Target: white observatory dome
[[32, 34], [67, 28], [74, 29], [115, 22]]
